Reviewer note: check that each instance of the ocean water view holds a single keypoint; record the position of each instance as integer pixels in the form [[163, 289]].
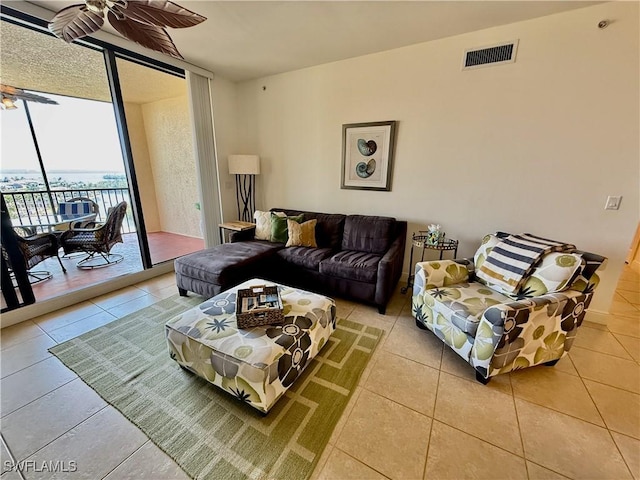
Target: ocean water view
[[19, 181]]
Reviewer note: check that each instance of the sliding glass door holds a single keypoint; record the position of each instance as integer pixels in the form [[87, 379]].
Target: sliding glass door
[[160, 136]]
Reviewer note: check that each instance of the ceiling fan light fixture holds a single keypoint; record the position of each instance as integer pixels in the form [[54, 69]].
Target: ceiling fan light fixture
[[141, 21], [96, 6], [8, 103]]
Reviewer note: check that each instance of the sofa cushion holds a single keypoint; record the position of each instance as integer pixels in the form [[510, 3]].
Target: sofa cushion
[[215, 265], [464, 303], [279, 231], [352, 265], [367, 233], [305, 257], [302, 234], [329, 229]]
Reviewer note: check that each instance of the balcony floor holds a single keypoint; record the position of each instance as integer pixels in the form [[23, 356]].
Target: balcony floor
[[162, 245]]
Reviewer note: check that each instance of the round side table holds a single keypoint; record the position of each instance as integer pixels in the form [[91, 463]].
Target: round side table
[[419, 241]]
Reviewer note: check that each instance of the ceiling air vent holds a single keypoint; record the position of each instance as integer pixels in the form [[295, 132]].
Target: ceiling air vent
[[488, 56]]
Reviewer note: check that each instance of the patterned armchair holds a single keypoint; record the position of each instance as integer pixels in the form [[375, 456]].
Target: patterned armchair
[[498, 332], [97, 242]]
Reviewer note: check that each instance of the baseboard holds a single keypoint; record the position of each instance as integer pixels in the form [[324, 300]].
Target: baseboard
[[597, 316], [47, 306]]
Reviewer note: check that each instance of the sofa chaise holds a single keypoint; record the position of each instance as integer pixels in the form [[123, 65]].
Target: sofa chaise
[[357, 256]]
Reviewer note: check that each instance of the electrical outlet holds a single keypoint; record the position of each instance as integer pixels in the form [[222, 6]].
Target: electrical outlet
[[613, 203]]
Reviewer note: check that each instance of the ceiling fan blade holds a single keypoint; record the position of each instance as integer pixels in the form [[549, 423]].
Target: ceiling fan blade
[[149, 36], [161, 13], [32, 97], [75, 22]]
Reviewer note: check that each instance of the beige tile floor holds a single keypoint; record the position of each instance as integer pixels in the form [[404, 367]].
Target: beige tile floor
[[417, 413]]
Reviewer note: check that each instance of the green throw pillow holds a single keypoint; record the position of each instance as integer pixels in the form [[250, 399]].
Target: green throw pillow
[[279, 232]]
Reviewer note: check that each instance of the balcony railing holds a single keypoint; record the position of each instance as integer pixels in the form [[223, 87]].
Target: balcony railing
[[29, 206]]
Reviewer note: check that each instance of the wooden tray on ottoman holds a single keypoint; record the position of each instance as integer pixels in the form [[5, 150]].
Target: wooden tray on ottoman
[[259, 305]]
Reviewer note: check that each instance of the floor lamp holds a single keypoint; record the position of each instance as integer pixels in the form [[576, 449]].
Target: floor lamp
[[245, 168]]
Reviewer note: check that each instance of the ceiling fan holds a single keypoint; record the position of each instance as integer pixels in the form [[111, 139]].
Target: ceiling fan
[[11, 94], [142, 21]]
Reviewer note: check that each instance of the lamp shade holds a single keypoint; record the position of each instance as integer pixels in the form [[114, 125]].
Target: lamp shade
[[244, 164]]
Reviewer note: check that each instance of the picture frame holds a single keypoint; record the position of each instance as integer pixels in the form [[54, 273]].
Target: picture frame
[[367, 155]]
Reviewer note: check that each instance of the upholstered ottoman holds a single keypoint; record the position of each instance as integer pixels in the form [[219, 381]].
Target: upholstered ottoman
[[256, 365]]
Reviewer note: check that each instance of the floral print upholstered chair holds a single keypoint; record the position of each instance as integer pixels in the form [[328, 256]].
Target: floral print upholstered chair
[[498, 332]]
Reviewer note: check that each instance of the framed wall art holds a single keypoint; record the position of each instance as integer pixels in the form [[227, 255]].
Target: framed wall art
[[367, 155]]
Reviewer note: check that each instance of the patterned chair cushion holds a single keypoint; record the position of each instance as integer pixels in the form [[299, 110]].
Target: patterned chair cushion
[[464, 303], [71, 210], [488, 242], [553, 274]]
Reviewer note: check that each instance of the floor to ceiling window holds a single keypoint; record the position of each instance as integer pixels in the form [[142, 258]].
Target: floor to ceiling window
[[75, 148], [157, 116]]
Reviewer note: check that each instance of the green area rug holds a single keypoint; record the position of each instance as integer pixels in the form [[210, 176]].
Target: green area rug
[[209, 433]]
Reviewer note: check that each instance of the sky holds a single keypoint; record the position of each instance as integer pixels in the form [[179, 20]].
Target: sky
[[77, 134]]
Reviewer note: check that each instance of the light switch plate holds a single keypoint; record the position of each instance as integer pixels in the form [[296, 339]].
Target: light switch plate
[[613, 203]]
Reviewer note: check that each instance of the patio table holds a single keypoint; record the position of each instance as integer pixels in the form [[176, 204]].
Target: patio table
[[50, 222]]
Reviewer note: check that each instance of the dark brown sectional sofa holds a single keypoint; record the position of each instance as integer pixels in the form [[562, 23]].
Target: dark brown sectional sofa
[[358, 257]]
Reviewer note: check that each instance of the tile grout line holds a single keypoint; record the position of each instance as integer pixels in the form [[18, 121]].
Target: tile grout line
[[359, 461], [68, 430], [43, 395], [433, 417], [515, 410], [28, 366], [129, 456], [11, 457]]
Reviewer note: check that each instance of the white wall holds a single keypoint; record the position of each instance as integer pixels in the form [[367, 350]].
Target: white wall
[[144, 172], [225, 125], [532, 146], [168, 131]]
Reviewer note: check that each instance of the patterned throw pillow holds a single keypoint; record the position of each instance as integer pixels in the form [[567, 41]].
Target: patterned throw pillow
[[553, 274], [302, 234], [263, 224], [279, 231]]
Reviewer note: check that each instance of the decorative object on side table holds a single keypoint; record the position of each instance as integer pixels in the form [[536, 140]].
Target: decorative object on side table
[[245, 168], [433, 234], [367, 155], [259, 305], [432, 239]]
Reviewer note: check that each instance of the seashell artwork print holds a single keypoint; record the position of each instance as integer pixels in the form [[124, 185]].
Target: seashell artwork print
[[366, 169], [367, 148]]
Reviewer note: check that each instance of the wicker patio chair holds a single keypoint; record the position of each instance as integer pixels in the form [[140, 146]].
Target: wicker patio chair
[[35, 249], [97, 242]]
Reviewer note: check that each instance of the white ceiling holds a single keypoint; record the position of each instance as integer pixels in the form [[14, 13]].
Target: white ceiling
[[243, 40]]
